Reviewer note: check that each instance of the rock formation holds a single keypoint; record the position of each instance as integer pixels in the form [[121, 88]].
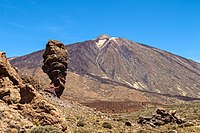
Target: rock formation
[[162, 117], [21, 106], [55, 66]]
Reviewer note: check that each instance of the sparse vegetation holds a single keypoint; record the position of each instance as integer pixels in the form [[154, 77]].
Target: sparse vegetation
[[45, 129], [107, 125], [82, 131], [81, 123], [96, 122]]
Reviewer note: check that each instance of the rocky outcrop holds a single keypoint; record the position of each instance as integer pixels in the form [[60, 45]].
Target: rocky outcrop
[[8, 71], [21, 106], [9, 81], [55, 66], [162, 117]]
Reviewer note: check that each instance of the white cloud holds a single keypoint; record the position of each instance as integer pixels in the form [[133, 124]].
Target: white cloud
[[8, 5], [66, 19], [55, 28], [19, 26]]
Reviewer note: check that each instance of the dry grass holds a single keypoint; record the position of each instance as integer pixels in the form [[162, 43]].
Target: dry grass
[[83, 119]]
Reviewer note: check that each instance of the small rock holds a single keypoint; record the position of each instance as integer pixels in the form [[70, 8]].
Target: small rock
[[187, 124], [128, 123], [22, 130]]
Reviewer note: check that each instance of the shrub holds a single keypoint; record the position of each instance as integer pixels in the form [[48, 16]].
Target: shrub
[[82, 131], [107, 125], [80, 123], [45, 129]]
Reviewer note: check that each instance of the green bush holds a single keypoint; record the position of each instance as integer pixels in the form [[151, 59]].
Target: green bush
[[82, 131], [80, 123], [45, 129], [107, 125]]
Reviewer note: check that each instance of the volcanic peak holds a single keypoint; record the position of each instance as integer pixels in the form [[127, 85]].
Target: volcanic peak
[[103, 36], [103, 40]]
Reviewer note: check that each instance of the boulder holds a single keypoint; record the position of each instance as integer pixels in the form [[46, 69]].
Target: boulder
[[161, 117]]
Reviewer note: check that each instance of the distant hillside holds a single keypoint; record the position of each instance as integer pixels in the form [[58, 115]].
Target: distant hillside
[[113, 68]]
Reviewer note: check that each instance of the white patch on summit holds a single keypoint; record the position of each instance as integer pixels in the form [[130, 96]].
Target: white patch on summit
[[103, 40], [103, 36], [100, 43], [113, 38]]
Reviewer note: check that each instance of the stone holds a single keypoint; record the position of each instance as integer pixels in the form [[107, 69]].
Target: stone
[[55, 66], [158, 123], [128, 123], [161, 117], [8, 71], [27, 94], [9, 80]]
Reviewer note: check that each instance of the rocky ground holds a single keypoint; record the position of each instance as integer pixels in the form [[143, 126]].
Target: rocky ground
[[24, 107], [82, 119]]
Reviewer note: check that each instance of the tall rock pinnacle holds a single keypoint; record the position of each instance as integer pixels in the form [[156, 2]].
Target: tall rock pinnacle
[[55, 66]]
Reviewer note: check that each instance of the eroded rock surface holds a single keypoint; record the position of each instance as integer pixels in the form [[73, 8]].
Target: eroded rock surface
[[55, 66], [21, 106]]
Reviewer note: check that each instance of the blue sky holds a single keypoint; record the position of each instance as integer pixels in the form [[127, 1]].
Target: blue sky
[[171, 25]]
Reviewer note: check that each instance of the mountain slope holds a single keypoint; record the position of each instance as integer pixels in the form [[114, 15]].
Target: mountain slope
[[139, 66], [119, 62]]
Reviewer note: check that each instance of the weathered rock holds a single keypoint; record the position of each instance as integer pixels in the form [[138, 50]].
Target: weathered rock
[[11, 118], [43, 113], [55, 66], [161, 118], [9, 81], [8, 71], [21, 106]]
